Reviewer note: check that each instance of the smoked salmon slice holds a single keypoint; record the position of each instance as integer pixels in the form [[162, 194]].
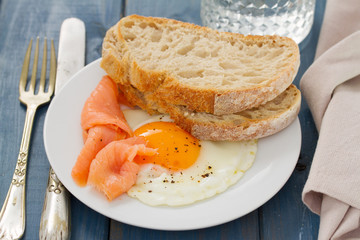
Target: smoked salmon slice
[[113, 171], [103, 108], [95, 139], [102, 122]]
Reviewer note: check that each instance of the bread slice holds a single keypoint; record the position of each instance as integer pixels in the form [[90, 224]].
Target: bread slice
[[261, 121], [197, 67]]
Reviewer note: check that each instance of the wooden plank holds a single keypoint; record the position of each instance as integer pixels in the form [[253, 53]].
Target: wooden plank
[[243, 228], [19, 21], [285, 216], [185, 10]]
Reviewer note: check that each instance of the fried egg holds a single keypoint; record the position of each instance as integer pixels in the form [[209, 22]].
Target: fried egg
[[186, 170]]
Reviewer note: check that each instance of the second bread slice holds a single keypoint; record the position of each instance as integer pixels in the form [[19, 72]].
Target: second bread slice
[[253, 123]]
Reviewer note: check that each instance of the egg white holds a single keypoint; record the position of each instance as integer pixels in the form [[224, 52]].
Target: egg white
[[219, 165]]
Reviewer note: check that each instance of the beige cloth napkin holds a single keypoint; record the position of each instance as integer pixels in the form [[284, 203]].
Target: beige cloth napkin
[[331, 87]]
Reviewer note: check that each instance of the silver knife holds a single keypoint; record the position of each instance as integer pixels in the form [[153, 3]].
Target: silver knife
[[55, 220]]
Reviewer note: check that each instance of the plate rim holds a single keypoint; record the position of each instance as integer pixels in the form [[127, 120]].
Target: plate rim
[[167, 225]]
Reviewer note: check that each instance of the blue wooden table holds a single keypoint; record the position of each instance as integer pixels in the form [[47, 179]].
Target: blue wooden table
[[282, 217]]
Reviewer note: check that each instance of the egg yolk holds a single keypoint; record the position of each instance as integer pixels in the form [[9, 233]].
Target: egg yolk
[[177, 149]]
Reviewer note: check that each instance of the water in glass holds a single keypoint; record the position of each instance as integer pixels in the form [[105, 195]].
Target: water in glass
[[291, 18]]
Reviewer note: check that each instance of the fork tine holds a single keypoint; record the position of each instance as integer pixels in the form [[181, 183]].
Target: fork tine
[[25, 68], [43, 68], [34, 70], [52, 74]]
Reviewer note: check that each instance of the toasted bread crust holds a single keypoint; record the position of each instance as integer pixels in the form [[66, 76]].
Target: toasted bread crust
[[245, 129], [161, 86], [232, 127]]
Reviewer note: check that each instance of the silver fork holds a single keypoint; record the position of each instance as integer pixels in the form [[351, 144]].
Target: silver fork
[[12, 215]]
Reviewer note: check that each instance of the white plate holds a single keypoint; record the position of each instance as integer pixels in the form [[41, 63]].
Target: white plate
[[274, 163]]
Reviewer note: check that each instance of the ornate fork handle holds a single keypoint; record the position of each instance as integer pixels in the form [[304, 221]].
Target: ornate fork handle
[[13, 211]]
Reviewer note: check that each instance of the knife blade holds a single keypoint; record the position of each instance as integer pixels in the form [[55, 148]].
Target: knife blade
[[71, 53], [55, 220]]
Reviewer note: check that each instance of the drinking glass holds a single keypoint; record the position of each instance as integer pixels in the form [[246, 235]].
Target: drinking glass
[[290, 18]]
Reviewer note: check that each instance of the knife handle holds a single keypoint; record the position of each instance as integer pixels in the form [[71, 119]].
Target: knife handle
[[55, 216]]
